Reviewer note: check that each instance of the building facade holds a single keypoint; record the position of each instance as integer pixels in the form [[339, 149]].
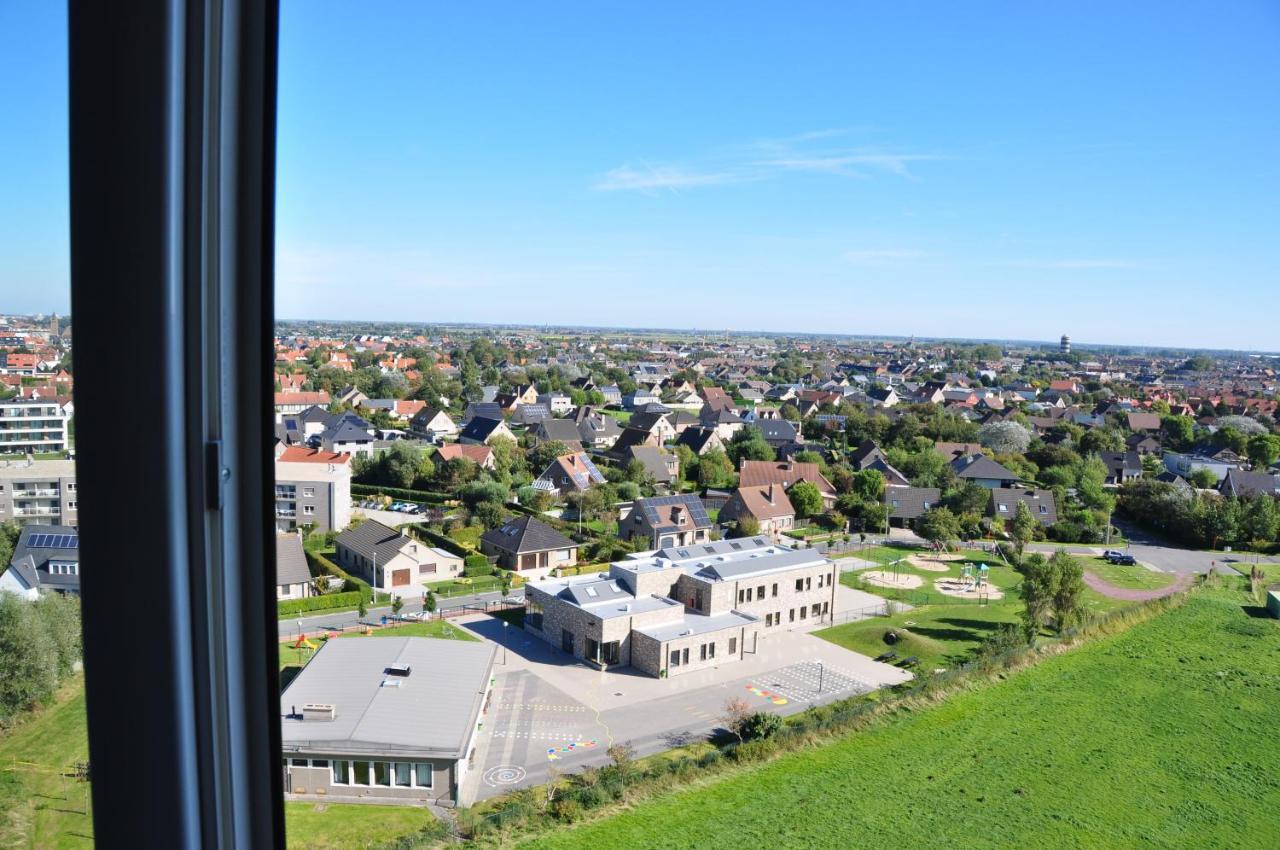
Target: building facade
[[42, 491], [312, 488], [32, 425], [683, 608]]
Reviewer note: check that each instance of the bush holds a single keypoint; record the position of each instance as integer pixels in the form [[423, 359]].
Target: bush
[[346, 599], [476, 565], [761, 725]]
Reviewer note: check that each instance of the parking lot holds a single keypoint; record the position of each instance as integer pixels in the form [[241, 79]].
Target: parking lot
[[549, 711]]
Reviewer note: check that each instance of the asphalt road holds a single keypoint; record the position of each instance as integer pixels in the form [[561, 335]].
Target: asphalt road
[[346, 619]]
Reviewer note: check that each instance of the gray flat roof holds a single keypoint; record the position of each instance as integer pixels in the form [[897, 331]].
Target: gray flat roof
[[431, 712], [697, 624]]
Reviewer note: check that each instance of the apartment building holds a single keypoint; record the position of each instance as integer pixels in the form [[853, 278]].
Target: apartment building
[[312, 488], [42, 491], [32, 425], [683, 608]]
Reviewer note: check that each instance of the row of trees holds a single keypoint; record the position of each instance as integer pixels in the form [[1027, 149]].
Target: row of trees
[[1206, 520], [39, 648]]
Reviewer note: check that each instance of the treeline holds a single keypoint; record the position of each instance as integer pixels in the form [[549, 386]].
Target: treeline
[[1203, 520], [39, 648]]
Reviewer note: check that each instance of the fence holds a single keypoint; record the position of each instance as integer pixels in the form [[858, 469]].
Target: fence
[[884, 609]]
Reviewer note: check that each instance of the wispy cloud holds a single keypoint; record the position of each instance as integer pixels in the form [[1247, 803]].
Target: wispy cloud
[[652, 178], [879, 257], [766, 159]]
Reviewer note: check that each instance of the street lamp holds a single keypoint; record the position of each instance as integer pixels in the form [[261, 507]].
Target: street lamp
[[822, 671], [505, 625]]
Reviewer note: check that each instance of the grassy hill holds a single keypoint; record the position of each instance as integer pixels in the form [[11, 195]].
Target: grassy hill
[[1159, 737]]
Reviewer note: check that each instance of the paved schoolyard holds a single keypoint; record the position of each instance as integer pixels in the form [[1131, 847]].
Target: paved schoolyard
[[551, 711]]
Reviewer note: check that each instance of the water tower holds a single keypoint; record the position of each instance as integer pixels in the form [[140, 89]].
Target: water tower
[[1065, 344]]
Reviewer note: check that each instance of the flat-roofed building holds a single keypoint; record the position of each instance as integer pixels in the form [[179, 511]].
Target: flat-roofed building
[[41, 491], [313, 487], [385, 719], [32, 425], [683, 608]]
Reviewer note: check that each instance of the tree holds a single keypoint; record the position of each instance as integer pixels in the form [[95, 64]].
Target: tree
[[362, 608], [1204, 478], [402, 465], [1068, 591], [1263, 449], [749, 444], [790, 412], [1245, 425], [969, 497], [429, 603], [748, 526], [939, 526], [28, 657], [868, 485], [715, 470], [806, 498], [1022, 528], [1005, 437], [1179, 431], [733, 717], [397, 602], [1037, 591]]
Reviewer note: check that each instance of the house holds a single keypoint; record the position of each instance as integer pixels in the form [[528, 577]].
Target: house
[[569, 473], [907, 503], [46, 559], [612, 395], [596, 429], [779, 432], [984, 471], [530, 414], [714, 398], [682, 420], [483, 431], [296, 402], [768, 505], [631, 438], [1243, 484], [480, 455], [391, 561], [656, 425], [432, 423], [293, 577], [41, 491], [558, 431], [313, 487], [558, 403], [349, 395], [638, 399], [725, 423], [1121, 466], [385, 720], [683, 609], [756, 473], [1041, 503], [526, 394], [348, 434], [953, 451], [883, 396], [1185, 464], [659, 464], [529, 546], [667, 521], [1142, 421], [701, 440], [1143, 444]]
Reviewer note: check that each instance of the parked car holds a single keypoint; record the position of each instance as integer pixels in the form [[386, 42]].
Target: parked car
[[1111, 553], [1123, 560]]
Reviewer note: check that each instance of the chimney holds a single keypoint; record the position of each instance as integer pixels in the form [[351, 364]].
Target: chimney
[[769, 495]]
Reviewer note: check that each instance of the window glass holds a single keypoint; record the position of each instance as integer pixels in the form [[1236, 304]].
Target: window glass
[[423, 775], [403, 774], [360, 773], [381, 773], [341, 773]]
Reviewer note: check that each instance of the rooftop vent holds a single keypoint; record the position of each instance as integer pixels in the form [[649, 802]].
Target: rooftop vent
[[319, 711], [398, 669]]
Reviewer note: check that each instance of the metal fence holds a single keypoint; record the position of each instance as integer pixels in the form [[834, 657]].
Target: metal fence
[[884, 609]]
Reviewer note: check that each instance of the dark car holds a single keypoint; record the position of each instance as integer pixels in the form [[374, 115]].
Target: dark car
[[1121, 559]]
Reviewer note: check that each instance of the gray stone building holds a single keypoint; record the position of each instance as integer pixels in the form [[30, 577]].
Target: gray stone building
[[683, 608], [385, 720], [41, 491], [313, 487]]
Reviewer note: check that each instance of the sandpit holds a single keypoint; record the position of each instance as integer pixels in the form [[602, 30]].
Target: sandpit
[[884, 578], [967, 590], [931, 563]]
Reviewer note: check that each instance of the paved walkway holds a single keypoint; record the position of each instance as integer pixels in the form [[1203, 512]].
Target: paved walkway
[[1131, 594]]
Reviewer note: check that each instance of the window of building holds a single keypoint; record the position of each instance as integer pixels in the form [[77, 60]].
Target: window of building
[[309, 492], [733, 646], [803, 612], [684, 655], [404, 774], [423, 775], [791, 616], [808, 582], [760, 592], [341, 773], [675, 658], [702, 652], [775, 589], [360, 773], [382, 773], [817, 610], [298, 762], [711, 650], [742, 596], [748, 594], [799, 584], [308, 510]]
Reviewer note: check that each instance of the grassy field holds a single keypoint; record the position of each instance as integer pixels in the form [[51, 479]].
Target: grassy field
[[1136, 577], [39, 808], [339, 826], [465, 584], [1158, 737]]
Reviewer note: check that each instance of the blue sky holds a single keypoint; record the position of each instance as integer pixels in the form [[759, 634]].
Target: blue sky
[[1013, 170]]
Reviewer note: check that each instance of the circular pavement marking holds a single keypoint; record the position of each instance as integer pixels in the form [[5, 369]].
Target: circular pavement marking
[[503, 774]]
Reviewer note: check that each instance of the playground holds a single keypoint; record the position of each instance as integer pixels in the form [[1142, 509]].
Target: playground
[[889, 578], [939, 563], [974, 582]]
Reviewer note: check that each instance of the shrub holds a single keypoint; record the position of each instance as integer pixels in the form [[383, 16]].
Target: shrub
[[476, 565], [346, 599], [761, 725]]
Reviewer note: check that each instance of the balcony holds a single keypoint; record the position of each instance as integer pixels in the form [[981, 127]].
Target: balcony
[[36, 494], [51, 512], [286, 513]]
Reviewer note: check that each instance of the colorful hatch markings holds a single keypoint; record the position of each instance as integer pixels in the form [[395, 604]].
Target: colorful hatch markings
[[776, 699], [554, 753]]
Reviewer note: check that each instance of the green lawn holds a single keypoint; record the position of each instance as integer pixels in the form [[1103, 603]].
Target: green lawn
[[467, 535], [1270, 572], [623, 416], [1136, 577], [39, 808], [1158, 737], [463, 585], [346, 826]]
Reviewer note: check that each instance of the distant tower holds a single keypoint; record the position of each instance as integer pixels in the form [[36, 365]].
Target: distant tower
[[53, 324], [1065, 345]]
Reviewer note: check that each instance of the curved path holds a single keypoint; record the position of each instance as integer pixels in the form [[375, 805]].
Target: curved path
[[1130, 594]]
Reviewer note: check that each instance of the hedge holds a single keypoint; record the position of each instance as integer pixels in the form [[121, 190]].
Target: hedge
[[399, 493], [321, 564], [349, 599], [446, 543], [474, 565]]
